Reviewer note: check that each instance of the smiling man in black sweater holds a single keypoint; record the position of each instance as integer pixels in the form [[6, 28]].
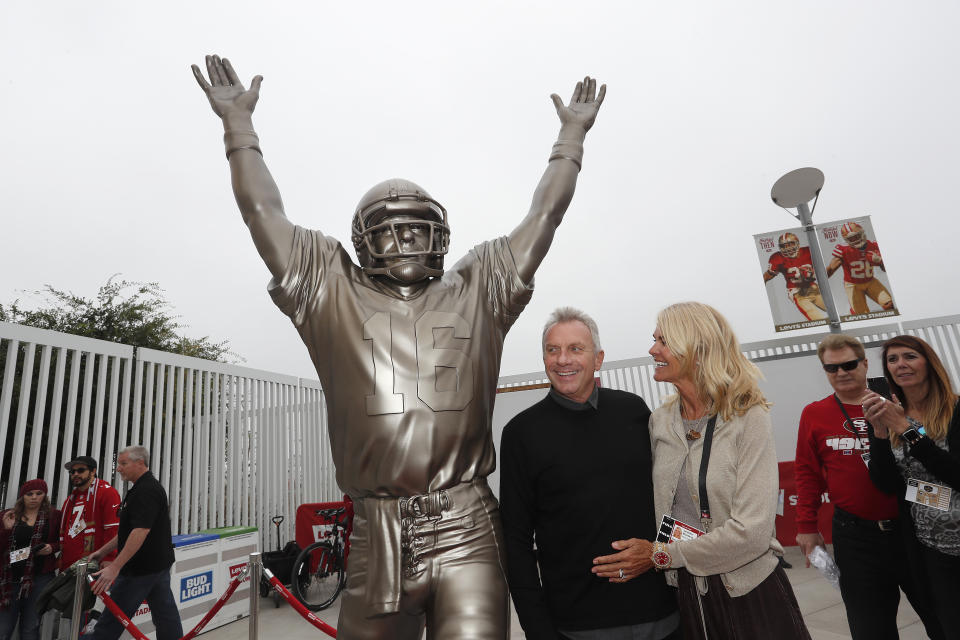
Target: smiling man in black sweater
[[577, 502]]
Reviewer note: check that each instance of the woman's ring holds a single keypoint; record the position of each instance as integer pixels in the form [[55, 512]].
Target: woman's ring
[[621, 574]]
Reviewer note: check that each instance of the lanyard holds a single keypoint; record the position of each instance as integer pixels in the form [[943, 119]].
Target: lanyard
[[704, 461], [849, 419]]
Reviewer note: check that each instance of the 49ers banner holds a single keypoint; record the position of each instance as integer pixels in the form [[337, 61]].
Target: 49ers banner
[[855, 269], [792, 287], [858, 276]]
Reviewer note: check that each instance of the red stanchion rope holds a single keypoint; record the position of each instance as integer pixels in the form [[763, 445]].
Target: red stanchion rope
[[119, 614], [136, 633], [219, 604], [296, 604]]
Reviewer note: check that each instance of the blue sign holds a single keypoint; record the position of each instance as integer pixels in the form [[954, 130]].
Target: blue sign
[[196, 586]]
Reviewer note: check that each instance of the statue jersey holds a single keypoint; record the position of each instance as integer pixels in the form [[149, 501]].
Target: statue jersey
[[409, 383], [857, 267], [797, 271]]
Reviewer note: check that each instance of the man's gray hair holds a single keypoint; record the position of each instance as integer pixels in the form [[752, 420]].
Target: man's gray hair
[[136, 452], [571, 314]]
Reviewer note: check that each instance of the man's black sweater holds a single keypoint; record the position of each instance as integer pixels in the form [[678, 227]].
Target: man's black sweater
[[578, 480]]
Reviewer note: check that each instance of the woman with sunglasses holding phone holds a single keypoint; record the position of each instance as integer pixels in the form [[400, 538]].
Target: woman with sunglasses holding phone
[[29, 538], [915, 454]]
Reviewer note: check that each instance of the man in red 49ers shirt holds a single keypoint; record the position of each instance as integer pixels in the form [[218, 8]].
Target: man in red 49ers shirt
[[793, 261], [868, 541], [89, 514], [859, 257]]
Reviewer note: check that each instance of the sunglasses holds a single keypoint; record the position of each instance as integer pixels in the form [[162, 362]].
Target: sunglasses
[[849, 365], [78, 470]]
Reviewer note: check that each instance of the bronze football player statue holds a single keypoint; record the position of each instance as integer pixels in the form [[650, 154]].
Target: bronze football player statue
[[408, 356]]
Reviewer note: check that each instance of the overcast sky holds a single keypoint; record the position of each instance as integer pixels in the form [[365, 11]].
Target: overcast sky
[[113, 161]]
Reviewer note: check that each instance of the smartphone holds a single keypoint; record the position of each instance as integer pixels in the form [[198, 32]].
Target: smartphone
[[879, 385]]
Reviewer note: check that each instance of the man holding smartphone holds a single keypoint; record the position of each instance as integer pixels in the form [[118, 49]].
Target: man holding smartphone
[[832, 456]]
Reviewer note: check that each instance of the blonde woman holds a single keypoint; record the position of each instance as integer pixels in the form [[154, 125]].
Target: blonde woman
[[715, 469]]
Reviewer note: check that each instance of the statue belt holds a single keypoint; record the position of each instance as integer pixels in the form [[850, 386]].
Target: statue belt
[[398, 535]]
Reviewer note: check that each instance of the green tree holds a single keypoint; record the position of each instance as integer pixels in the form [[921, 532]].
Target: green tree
[[132, 313]]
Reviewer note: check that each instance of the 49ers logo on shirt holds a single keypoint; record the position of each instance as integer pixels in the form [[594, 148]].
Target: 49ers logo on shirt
[[858, 428], [848, 445]]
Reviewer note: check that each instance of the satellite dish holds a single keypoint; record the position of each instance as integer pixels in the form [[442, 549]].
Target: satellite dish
[[800, 186]]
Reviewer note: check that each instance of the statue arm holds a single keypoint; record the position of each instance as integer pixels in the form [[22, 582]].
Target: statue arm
[[532, 238], [256, 192]]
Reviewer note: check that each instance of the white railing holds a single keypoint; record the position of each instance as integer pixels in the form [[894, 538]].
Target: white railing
[[232, 445], [636, 374], [944, 334], [792, 374], [77, 363]]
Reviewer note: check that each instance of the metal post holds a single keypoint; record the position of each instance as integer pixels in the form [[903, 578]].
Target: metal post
[[818, 267], [256, 570], [78, 589]]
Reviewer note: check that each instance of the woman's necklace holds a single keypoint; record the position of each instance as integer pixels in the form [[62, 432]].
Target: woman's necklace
[[695, 432]]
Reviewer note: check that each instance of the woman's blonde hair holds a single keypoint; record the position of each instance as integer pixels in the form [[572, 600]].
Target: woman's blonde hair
[[709, 354]]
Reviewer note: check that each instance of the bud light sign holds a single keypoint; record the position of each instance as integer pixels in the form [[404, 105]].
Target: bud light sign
[[196, 586]]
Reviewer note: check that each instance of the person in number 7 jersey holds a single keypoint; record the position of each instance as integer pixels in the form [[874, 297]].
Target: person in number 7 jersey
[[90, 517], [408, 355], [859, 258]]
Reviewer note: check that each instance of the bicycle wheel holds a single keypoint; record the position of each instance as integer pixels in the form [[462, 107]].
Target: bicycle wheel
[[318, 576]]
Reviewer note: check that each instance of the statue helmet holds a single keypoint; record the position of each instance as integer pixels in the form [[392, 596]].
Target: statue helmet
[[391, 203]]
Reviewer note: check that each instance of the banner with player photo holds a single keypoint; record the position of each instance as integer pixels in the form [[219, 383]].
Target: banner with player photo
[[858, 277], [792, 288]]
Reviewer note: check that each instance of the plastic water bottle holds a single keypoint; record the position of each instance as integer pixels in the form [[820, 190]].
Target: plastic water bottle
[[820, 559]]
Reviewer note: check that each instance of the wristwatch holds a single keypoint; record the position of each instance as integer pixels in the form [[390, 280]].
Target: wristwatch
[[912, 436], [661, 558], [915, 431]]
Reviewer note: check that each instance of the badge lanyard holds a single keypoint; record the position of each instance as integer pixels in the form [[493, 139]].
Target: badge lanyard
[[93, 505], [866, 455], [847, 415], [704, 461]]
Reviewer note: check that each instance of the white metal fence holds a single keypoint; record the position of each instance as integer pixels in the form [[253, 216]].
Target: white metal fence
[[232, 445], [636, 374], [51, 398]]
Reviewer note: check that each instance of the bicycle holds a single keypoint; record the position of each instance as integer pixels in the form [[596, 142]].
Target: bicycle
[[319, 572]]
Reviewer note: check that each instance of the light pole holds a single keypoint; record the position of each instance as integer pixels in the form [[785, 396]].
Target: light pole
[[795, 190]]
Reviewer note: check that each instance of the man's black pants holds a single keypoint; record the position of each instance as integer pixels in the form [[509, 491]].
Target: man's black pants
[[874, 565]]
